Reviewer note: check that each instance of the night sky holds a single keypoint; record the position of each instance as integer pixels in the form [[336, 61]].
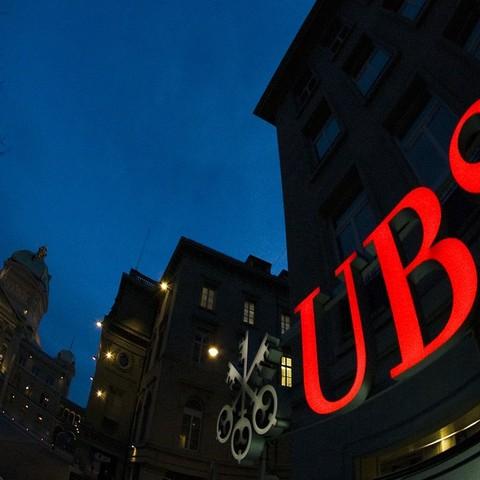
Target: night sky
[[125, 121]]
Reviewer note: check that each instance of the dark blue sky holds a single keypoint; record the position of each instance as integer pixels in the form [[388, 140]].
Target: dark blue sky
[[121, 117]]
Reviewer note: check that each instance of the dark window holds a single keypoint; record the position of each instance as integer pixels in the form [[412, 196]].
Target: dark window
[[410, 9], [464, 27], [304, 89], [336, 34], [201, 341], [353, 224], [423, 124], [35, 370], [285, 323], [366, 64], [189, 437], [323, 130]]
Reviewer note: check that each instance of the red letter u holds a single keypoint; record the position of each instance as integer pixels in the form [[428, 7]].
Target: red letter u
[[311, 377]]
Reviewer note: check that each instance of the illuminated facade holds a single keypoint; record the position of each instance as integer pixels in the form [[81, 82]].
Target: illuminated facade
[[365, 103], [33, 385]]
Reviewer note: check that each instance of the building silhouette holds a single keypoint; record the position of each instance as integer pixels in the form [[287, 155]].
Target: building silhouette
[[364, 104]]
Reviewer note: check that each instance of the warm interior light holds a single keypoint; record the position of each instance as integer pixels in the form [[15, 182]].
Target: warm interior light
[[213, 351], [108, 355], [163, 286]]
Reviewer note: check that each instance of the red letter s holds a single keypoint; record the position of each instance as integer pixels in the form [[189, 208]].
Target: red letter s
[[466, 174]]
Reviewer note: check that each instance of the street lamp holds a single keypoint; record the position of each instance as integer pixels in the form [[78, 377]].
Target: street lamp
[[213, 351]]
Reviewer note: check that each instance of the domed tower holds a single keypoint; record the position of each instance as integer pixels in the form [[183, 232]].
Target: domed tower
[[24, 283]]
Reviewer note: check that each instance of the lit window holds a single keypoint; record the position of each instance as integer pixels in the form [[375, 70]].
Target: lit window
[[189, 437], [323, 130], [201, 341], [249, 312], [284, 323], [353, 225], [286, 371], [208, 298]]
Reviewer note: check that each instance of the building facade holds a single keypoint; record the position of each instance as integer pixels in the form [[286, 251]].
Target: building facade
[[120, 362], [211, 301], [365, 103], [33, 385]]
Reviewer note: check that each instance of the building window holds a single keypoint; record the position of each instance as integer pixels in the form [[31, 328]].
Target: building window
[[353, 225], [424, 126], [285, 323], [286, 371], [249, 312], [207, 299], [35, 370], [336, 34], [49, 380], [366, 64], [304, 89], [323, 130], [410, 9], [201, 341], [473, 42], [464, 27], [189, 437]]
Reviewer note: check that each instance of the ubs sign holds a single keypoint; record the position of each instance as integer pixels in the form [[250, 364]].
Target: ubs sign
[[451, 253]]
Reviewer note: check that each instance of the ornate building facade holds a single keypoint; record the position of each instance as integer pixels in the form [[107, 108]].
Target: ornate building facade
[[33, 385]]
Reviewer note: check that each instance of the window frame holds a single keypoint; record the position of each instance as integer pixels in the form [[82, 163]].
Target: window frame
[[249, 312], [208, 298], [283, 323], [420, 128], [191, 414], [343, 221], [286, 371]]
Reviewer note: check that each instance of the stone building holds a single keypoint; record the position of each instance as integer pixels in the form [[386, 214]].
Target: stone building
[[211, 300], [159, 387], [32, 384], [364, 104]]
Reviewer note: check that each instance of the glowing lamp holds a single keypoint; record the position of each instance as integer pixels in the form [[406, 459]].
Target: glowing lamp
[[213, 351]]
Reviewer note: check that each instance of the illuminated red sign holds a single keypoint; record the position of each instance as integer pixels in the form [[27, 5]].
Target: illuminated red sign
[[451, 253]]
